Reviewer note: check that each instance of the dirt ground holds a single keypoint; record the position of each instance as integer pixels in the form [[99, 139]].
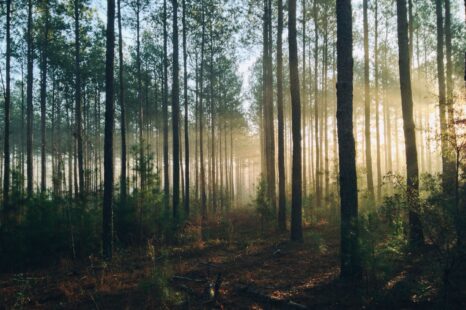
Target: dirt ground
[[241, 272]]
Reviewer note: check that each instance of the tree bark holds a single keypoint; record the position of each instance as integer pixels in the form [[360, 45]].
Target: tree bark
[[296, 186], [166, 180], [268, 106], [281, 138], [303, 100], [29, 104], [447, 172], [123, 185], [449, 96], [43, 100], [142, 159], [186, 110], [318, 183], [350, 258], [107, 221], [377, 103], [6, 145], [176, 115], [415, 228], [201, 121], [367, 107], [78, 108]]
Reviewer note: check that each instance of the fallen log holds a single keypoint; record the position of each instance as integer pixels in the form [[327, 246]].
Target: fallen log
[[256, 293]]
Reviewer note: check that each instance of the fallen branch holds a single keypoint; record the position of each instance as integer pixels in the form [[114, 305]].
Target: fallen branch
[[182, 278], [255, 293], [209, 264]]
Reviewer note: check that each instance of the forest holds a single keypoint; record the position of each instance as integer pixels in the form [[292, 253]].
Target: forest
[[233, 154]]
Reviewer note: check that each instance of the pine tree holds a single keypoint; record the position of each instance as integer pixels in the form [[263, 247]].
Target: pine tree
[[350, 257], [296, 186], [107, 216], [412, 174]]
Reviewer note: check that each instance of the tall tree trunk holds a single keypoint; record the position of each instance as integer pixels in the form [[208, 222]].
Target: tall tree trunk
[[196, 126], [186, 123], [303, 100], [201, 121], [296, 186], [325, 116], [212, 162], [43, 100], [377, 103], [123, 185], [78, 108], [316, 110], [23, 138], [6, 145], [107, 222], [367, 106], [29, 104], [350, 258], [450, 98], [411, 31], [386, 107], [281, 149], [142, 160], [268, 106], [415, 229], [447, 163], [166, 180], [176, 115]]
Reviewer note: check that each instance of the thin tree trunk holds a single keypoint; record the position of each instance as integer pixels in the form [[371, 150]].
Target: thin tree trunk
[[201, 119], [142, 160], [367, 107], [79, 125], [43, 101], [447, 171], [212, 162], [415, 229], [176, 115], [449, 96], [387, 122], [123, 177], [107, 211], [325, 116], [186, 123], [377, 103], [166, 180], [269, 141], [316, 111], [296, 187], [6, 145], [281, 150], [303, 100], [29, 104]]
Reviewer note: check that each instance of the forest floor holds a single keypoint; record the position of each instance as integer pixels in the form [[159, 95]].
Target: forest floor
[[251, 271]]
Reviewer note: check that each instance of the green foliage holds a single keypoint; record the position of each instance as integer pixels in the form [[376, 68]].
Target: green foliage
[[157, 285], [383, 239], [439, 214], [142, 216], [262, 203], [47, 230], [384, 248], [17, 189]]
